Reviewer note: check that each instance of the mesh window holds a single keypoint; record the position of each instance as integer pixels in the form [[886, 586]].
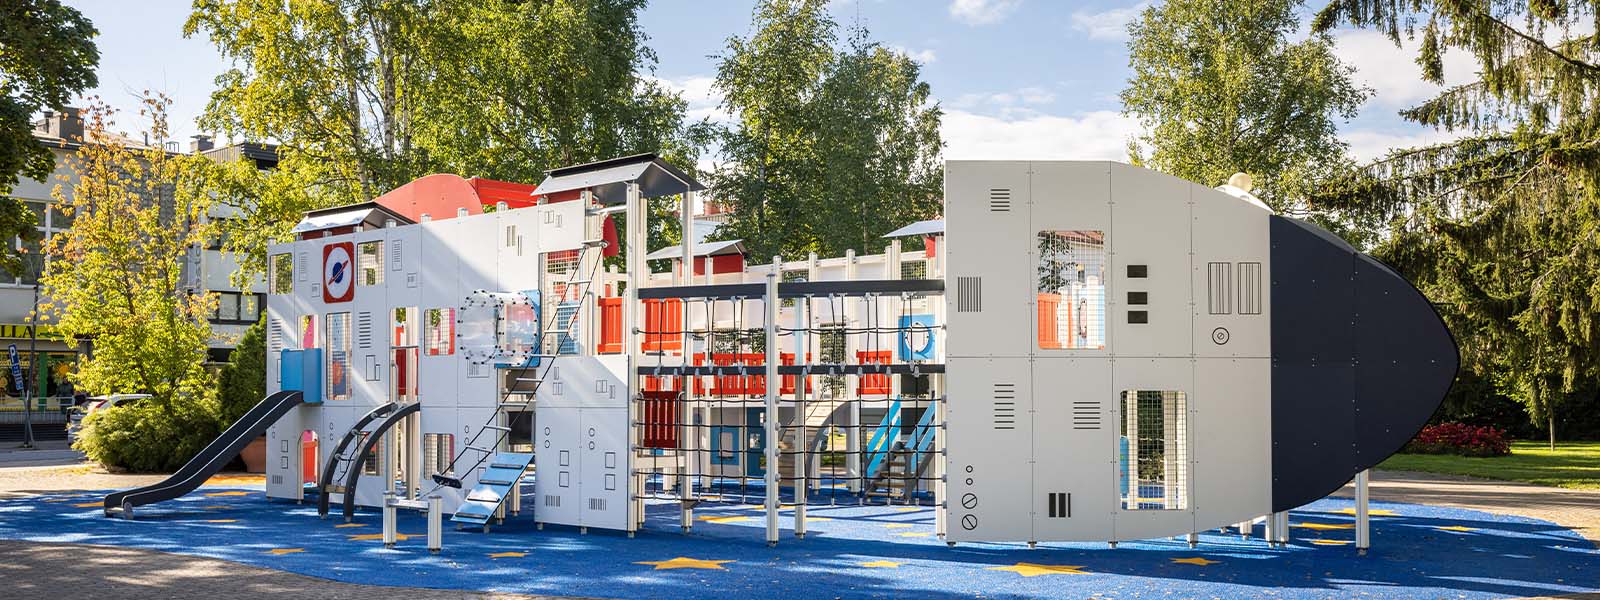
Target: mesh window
[[282, 273], [1071, 309], [437, 450], [369, 263], [439, 331], [339, 383], [1153, 450]]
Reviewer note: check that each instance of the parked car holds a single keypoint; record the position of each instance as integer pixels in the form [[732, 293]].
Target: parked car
[[77, 414]]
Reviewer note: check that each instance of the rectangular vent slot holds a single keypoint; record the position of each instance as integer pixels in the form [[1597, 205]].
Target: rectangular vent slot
[[394, 255], [597, 504], [1138, 317], [277, 480], [1060, 504], [999, 199], [552, 500], [1138, 271], [1249, 288], [1005, 406], [1086, 414], [969, 294], [1139, 298], [1219, 277], [364, 330], [275, 335]]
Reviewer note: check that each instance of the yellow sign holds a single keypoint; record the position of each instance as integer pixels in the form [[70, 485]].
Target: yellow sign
[[20, 332]]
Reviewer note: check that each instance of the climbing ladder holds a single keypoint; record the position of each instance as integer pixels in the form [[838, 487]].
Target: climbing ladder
[[495, 486], [505, 469]]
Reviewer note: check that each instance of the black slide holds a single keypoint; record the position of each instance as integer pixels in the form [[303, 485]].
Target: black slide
[[210, 459]]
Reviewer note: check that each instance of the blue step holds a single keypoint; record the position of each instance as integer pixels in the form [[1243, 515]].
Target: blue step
[[494, 487]]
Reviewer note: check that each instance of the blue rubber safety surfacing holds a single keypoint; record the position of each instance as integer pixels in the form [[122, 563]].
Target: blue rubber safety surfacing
[[850, 551]]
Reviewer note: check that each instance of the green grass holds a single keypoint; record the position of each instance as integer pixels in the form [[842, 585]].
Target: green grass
[[1570, 465]]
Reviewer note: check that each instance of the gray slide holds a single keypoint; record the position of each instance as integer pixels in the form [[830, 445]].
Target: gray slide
[[211, 459]]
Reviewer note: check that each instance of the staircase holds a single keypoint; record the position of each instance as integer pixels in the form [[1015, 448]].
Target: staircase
[[816, 418], [494, 487], [896, 463]]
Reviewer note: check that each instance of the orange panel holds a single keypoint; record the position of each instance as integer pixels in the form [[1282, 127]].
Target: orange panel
[[875, 384], [1049, 330], [610, 325]]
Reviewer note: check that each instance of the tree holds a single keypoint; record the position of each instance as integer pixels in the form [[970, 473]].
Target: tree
[[243, 381], [47, 56], [116, 276], [365, 96], [1220, 88], [831, 148], [1499, 227]]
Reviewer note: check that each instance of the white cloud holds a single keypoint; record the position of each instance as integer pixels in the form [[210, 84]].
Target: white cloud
[[1107, 25], [982, 12], [1012, 101], [1368, 144], [701, 94], [1392, 72], [923, 56], [1098, 135]]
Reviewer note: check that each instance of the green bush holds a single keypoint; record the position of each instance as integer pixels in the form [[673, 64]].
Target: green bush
[[243, 382], [143, 437]]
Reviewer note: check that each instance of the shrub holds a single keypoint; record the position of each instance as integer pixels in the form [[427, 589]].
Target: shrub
[[243, 382], [1461, 439], [145, 437]]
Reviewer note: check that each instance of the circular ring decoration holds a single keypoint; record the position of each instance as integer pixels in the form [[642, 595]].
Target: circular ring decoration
[[1220, 336]]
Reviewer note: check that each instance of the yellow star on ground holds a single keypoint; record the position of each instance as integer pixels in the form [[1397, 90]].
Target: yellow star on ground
[[1457, 528], [686, 563], [216, 506], [223, 521], [810, 519], [508, 555], [367, 537], [898, 525], [1376, 512], [733, 519], [1195, 560], [1331, 542], [881, 564], [349, 525], [230, 493], [1035, 570], [914, 534], [283, 551], [909, 508], [1326, 526], [89, 504]]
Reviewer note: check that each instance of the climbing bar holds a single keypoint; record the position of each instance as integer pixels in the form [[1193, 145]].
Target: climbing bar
[[796, 289]]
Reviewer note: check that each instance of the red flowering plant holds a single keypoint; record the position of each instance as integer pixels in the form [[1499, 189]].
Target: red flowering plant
[[1460, 438]]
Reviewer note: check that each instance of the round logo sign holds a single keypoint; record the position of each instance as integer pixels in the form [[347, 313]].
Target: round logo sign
[[338, 276]]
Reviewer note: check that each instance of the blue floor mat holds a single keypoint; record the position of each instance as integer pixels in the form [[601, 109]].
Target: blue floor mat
[[851, 551]]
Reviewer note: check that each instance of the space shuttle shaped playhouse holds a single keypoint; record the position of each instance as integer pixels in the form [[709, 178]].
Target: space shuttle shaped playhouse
[[1080, 351]]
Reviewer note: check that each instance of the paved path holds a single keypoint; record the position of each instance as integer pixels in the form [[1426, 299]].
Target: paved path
[[1578, 510], [57, 571], [44, 453]]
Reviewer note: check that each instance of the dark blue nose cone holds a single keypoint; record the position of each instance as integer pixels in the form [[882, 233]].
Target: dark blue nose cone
[[1360, 360]]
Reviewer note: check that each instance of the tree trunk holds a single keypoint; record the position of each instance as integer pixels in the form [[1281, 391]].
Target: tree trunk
[[1551, 420]]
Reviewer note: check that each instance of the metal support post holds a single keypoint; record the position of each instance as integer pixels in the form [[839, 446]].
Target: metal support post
[[1244, 528], [389, 518], [802, 448], [516, 497], [771, 303], [688, 435], [1363, 518], [1194, 540], [1280, 529], [435, 523], [637, 224], [852, 387]]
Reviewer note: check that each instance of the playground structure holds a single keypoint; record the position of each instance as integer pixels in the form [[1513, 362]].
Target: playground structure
[[1083, 351]]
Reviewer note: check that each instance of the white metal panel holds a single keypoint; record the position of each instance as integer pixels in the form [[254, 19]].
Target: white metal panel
[[557, 456], [1067, 196], [604, 468], [1233, 234], [1150, 374], [1074, 442], [283, 452], [1233, 452], [476, 246], [438, 376], [560, 225], [989, 429], [1150, 212], [369, 315], [992, 285], [517, 237]]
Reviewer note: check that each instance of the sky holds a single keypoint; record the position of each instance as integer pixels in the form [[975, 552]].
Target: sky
[[1017, 79]]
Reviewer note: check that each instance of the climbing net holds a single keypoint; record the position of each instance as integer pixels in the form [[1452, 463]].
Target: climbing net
[[857, 395]]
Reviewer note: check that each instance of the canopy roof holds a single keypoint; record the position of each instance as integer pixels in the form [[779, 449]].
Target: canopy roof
[[370, 214], [609, 179], [928, 227], [701, 249]]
